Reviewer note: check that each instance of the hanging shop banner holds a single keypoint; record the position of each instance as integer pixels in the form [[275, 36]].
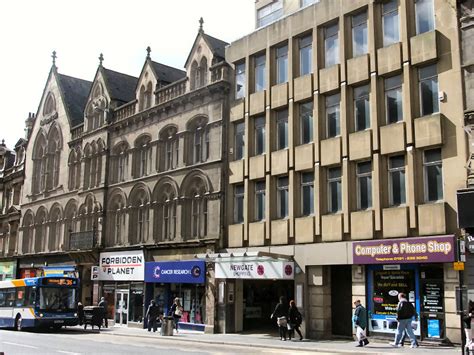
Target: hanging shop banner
[[122, 266], [59, 271], [7, 270], [255, 270], [439, 249], [185, 272]]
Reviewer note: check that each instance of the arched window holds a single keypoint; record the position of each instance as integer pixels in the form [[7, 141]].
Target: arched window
[[74, 164], [88, 153], [203, 72], [88, 215], [119, 164], [95, 111], [40, 162], [165, 211], [40, 230], [50, 105], [54, 155], [148, 95], [198, 140], [70, 221], [139, 215], [117, 213], [27, 240], [55, 227], [194, 75], [196, 209], [78, 164], [169, 142], [142, 156]]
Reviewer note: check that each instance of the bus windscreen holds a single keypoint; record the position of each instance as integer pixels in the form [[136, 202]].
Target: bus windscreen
[[55, 299]]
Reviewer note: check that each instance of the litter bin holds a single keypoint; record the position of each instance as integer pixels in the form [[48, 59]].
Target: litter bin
[[167, 326]]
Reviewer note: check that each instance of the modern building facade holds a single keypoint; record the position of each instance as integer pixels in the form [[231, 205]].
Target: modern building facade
[[346, 148]]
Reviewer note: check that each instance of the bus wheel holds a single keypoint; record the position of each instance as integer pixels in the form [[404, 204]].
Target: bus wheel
[[18, 323]]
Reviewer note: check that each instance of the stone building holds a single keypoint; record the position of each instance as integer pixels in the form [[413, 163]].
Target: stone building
[[346, 150]]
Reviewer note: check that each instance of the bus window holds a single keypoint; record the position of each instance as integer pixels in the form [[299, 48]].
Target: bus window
[[3, 294], [30, 296], [20, 297], [10, 297]]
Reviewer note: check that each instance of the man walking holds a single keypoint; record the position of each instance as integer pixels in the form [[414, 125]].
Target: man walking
[[405, 313], [360, 322], [152, 314], [103, 305]]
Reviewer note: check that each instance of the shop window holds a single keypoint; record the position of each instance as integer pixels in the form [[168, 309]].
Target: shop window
[[259, 73], [359, 34], [282, 197], [306, 55], [260, 200], [239, 140], [433, 175], [135, 313], [306, 122], [333, 122], [281, 64], [307, 194], [390, 23], [393, 99], [240, 80], [334, 190], [259, 133], [362, 108], [282, 129], [364, 185], [331, 45], [425, 19], [239, 195], [396, 180], [428, 86]]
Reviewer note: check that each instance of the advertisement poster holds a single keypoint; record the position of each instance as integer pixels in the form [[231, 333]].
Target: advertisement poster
[[7, 270], [433, 297]]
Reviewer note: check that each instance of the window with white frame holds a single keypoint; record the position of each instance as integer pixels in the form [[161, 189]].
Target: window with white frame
[[333, 122], [239, 80], [260, 200], [306, 122], [239, 140], [331, 45], [433, 175], [259, 73], [361, 108], [269, 13], [306, 55], [359, 34], [428, 86], [282, 197], [396, 180], [259, 133], [424, 13], [281, 64], [364, 185], [239, 194], [282, 129], [390, 23], [393, 99], [307, 193], [334, 190]]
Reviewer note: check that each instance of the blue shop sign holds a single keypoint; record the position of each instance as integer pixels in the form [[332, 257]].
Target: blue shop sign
[[185, 272]]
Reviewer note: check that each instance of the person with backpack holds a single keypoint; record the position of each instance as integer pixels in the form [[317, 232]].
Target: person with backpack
[[360, 322], [405, 313]]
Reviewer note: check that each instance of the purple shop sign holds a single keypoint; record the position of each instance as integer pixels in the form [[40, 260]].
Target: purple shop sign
[[437, 249]]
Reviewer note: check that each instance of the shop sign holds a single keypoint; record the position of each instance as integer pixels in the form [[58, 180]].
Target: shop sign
[[458, 266], [94, 273], [405, 250], [185, 272], [7, 270], [255, 270], [122, 266], [59, 271]]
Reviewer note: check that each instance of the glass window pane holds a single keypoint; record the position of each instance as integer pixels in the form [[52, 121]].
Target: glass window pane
[[390, 22], [259, 73], [361, 108], [259, 135], [306, 54], [306, 121], [240, 80], [239, 140], [282, 129], [331, 45], [432, 155], [282, 64], [424, 12], [359, 34], [332, 116], [397, 162]]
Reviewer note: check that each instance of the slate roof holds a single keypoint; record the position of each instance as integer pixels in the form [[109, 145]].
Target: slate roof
[[121, 86], [166, 73], [75, 93], [217, 46]]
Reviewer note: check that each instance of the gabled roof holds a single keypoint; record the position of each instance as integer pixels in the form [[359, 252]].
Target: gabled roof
[[167, 74], [120, 86], [216, 46], [20, 142], [75, 92]]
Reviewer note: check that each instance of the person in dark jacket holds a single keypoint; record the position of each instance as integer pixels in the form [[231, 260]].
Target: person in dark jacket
[[103, 305], [405, 313], [280, 314], [360, 322], [467, 322], [80, 313], [295, 319], [152, 314], [176, 312]]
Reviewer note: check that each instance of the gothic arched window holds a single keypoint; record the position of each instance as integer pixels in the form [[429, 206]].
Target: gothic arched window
[[40, 163], [55, 229], [166, 211], [141, 157], [169, 142], [139, 215]]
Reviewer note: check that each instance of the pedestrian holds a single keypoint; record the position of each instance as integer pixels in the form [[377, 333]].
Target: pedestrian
[[467, 322], [103, 305], [405, 313], [280, 314], [176, 312], [152, 315], [80, 313], [360, 322], [295, 319]]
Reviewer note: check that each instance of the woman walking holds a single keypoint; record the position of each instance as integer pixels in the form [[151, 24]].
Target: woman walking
[[280, 314], [295, 319], [176, 311]]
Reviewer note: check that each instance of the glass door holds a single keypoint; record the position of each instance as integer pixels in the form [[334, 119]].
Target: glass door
[[121, 307]]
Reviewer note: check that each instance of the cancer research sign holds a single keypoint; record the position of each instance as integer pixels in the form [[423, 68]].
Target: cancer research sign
[[437, 249], [184, 272], [255, 270], [122, 266]]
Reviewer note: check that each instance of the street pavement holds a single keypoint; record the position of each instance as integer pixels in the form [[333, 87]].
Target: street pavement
[[116, 340]]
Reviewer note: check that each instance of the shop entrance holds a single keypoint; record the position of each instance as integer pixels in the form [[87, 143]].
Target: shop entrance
[[121, 307], [259, 300], [341, 300]]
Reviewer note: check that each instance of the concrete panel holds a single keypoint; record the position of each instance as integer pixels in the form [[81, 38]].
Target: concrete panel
[[432, 218], [257, 234], [257, 103], [279, 231], [395, 222], [329, 78], [237, 111], [360, 145], [331, 151], [389, 59], [279, 162], [236, 233], [236, 171], [304, 157], [331, 228], [424, 48], [257, 167], [428, 131], [304, 229], [303, 87], [279, 95], [392, 138], [358, 69], [362, 225]]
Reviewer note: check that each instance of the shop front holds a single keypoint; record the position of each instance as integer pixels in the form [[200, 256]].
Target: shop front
[[8, 270], [120, 278], [418, 267], [185, 280]]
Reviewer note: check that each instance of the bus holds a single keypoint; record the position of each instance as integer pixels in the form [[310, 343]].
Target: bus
[[39, 302]]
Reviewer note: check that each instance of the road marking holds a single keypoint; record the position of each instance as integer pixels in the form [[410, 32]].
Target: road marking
[[23, 345], [67, 352]]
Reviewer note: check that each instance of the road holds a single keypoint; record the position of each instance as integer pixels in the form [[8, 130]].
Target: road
[[73, 342]]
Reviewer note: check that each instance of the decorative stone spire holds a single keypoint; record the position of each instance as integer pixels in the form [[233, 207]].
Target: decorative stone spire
[[54, 58], [101, 59], [201, 22], [148, 51]]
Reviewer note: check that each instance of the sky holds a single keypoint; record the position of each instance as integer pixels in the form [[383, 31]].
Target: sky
[[82, 29]]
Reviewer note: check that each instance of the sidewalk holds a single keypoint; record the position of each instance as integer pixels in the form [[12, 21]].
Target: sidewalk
[[270, 342]]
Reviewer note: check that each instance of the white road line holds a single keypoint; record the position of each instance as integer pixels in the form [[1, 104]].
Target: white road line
[[23, 345], [67, 352]]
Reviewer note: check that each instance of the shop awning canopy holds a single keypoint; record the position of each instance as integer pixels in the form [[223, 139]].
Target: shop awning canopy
[[244, 256]]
